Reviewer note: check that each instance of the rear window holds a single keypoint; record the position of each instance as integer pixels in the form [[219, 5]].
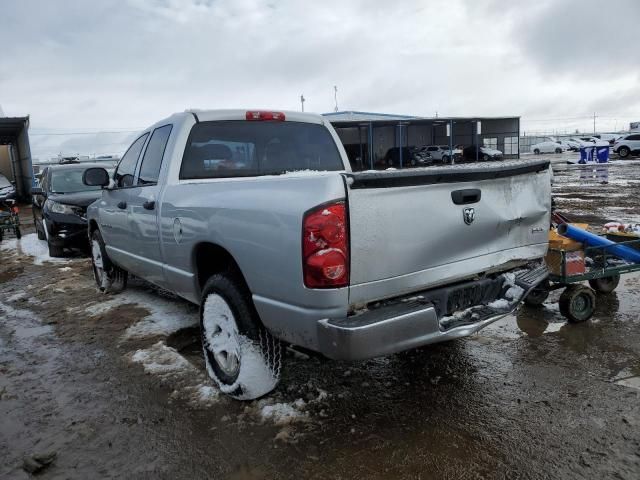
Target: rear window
[[243, 149]]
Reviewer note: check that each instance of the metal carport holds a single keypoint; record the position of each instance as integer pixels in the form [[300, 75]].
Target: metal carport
[[15, 154]]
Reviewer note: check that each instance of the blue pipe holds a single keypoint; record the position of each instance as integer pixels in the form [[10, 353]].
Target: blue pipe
[[592, 240]]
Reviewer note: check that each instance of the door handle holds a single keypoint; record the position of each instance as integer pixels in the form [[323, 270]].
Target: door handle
[[149, 205], [466, 196], [122, 205]]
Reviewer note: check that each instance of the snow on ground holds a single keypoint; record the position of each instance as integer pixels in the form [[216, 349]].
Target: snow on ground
[[166, 315], [282, 414], [16, 296], [160, 359], [30, 245]]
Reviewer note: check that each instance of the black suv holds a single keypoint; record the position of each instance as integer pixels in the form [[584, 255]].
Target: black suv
[[60, 205]]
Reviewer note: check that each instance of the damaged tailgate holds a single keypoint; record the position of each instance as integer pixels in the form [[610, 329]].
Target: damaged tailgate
[[422, 228]]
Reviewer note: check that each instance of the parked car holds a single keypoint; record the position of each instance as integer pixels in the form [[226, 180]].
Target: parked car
[[547, 147], [572, 145], [483, 153], [442, 153], [7, 189], [411, 157], [591, 142], [60, 205], [608, 137], [627, 145], [257, 217]]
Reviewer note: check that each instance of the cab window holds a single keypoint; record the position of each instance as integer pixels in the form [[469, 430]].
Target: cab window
[[127, 166]]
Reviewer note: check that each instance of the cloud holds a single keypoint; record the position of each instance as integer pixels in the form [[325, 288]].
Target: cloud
[[112, 64]]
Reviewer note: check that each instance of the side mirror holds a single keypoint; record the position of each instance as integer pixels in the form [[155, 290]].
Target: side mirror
[[95, 177], [37, 191]]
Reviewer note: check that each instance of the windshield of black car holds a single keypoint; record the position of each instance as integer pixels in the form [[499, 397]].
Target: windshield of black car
[[69, 181]]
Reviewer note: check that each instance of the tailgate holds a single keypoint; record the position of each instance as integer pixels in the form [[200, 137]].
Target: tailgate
[[419, 228]]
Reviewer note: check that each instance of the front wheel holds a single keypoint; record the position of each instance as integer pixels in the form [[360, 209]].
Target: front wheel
[[605, 284], [623, 152], [536, 152], [485, 157], [558, 150], [445, 159], [240, 355], [55, 251], [577, 303], [109, 277]]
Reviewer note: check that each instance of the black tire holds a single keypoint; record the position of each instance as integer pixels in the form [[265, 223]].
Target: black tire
[[1, 235], [536, 152], [605, 284], [445, 159], [18, 233], [55, 251], [485, 157], [577, 303], [538, 295], [558, 150], [246, 362], [40, 233], [623, 152], [109, 277]]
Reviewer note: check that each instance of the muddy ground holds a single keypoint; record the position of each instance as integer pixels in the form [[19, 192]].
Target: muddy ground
[[115, 386]]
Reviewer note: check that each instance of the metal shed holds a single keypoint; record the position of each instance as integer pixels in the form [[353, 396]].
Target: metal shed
[[367, 136], [15, 154]]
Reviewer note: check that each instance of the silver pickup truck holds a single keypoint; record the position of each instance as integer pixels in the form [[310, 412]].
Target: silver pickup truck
[[258, 217]]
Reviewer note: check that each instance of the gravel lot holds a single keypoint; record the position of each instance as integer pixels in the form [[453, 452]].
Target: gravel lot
[[115, 386]]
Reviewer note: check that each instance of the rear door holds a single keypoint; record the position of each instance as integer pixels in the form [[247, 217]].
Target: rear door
[[144, 243], [411, 230]]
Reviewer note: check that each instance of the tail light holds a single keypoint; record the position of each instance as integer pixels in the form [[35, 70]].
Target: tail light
[[15, 209], [261, 115], [325, 247]]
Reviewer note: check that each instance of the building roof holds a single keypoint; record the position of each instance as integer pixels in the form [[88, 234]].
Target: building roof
[[11, 127], [352, 116]]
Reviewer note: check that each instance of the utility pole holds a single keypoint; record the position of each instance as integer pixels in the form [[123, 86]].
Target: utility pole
[[594, 123], [302, 99], [335, 97]]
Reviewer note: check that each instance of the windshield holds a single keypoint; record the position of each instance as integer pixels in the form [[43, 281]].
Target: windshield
[[4, 182], [69, 181]]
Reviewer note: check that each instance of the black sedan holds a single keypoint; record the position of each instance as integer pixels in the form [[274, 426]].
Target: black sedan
[[60, 205]]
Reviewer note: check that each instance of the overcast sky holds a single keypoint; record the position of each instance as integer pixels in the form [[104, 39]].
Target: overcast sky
[[123, 64]]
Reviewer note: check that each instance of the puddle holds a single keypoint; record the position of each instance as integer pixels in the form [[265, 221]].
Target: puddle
[[629, 377]]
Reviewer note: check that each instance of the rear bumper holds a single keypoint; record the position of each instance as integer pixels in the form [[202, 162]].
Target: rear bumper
[[417, 321]]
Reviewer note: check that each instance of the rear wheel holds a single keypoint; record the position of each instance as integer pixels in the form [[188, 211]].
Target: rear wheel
[[558, 150], [577, 303], [538, 295], [624, 152], [109, 277], [605, 284], [445, 159], [485, 157], [536, 151], [241, 356]]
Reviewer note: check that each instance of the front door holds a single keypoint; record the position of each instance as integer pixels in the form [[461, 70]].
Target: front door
[[144, 207]]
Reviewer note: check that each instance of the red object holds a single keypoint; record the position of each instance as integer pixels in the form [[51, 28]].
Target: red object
[[574, 263], [262, 115], [325, 247]]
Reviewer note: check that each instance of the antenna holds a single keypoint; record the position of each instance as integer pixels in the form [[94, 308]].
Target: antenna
[[335, 97], [302, 99]]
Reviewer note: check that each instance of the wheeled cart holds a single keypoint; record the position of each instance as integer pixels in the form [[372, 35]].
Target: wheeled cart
[[602, 271]]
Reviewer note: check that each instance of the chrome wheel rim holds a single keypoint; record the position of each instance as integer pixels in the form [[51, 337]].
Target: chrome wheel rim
[[98, 264], [221, 336]]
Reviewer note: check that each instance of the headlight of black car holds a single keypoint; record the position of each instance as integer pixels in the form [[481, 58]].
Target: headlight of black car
[[56, 207]]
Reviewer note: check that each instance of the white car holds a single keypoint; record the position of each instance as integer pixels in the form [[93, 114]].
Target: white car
[[627, 145], [442, 153], [570, 144], [591, 142], [547, 147]]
